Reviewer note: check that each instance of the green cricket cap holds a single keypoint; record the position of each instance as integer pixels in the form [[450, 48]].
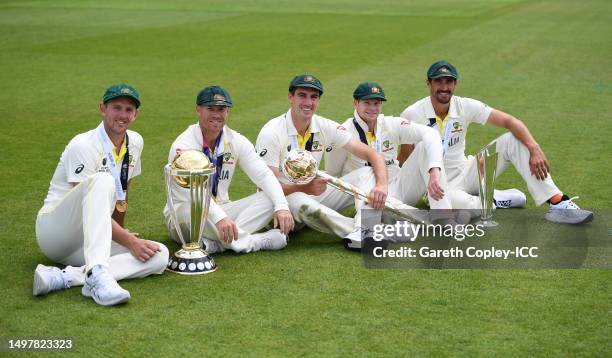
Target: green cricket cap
[[122, 90], [442, 69], [369, 90], [214, 96], [306, 80]]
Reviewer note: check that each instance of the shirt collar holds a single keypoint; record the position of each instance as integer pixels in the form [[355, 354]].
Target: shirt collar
[[291, 130], [364, 125], [452, 110], [227, 135]]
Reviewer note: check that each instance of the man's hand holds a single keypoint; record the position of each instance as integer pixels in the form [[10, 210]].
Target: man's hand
[[142, 249], [433, 186], [283, 220], [228, 231], [378, 196], [538, 164], [316, 187]]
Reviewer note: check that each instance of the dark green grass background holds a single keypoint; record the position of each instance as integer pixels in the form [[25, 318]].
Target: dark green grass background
[[547, 62]]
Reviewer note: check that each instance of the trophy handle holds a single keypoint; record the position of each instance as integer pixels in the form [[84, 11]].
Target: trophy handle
[[360, 194], [168, 177]]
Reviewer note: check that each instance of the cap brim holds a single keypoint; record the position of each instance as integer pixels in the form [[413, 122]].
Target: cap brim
[[134, 99], [443, 75], [216, 103], [373, 96], [307, 85]]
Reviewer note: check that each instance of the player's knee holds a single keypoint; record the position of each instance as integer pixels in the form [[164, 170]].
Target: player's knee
[[296, 201], [103, 181], [507, 139], [159, 261]]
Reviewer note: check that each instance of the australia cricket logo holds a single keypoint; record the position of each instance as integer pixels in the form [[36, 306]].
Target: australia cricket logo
[[457, 127]]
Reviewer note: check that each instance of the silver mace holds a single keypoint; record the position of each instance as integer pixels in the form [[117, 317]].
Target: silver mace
[[300, 167]]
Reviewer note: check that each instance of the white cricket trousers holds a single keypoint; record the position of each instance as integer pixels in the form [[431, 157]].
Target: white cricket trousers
[[250, 214], [463, 180], [77, 232], [407, 185], [321, 212]]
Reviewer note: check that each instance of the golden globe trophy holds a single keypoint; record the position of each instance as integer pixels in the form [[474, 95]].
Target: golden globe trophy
[[486, 161], [190, 170], [299, 167]]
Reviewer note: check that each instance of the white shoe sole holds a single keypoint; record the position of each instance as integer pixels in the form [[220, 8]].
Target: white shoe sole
[[119, 300], [557, 218]]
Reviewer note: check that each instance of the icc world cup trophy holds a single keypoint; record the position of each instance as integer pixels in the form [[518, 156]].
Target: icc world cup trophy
[[190, 170]]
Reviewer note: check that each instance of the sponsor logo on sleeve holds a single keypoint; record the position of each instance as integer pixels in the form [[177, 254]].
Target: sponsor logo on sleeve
[[263, 152], [341, 128], [79, 169], [405, 122]]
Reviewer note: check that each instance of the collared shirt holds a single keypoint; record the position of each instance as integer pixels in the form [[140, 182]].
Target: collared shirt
[[461, 113], [238, 150], [275, 138], [83, 157], [391, 132]]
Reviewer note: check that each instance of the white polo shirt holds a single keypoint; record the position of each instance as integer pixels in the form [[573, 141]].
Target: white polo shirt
[[237, 150], [279, 136], [83, 157], [391, 132], [461, 113]]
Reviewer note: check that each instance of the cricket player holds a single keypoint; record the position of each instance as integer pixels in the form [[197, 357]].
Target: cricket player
[[230, 225], [451, 115], [422, 173], [315, 204], [81, 221]]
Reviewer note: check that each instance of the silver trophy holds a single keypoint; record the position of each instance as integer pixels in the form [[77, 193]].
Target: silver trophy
[[486, 160], [300, 167], [190, 170]]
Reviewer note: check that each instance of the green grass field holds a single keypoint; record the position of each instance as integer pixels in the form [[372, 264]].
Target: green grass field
[[547, 62]]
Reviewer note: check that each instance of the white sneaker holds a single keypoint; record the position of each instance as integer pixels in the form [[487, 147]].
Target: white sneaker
[[211, 246], [271, 240], [567, 212], [48, 279], [103, 288], [510, 198], [352, 241]]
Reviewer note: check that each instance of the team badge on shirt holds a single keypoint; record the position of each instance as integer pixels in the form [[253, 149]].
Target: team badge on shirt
[[457, 127], [227, 158]]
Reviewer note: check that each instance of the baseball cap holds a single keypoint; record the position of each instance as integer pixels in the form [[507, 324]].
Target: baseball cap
[[306, 80], [122, 90], [214, 96], [369, 90], [441, 69]]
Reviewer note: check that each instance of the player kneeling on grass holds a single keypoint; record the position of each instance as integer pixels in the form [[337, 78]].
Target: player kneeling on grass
[[452, 115], [422, 173], [230, 225], [81, 221]]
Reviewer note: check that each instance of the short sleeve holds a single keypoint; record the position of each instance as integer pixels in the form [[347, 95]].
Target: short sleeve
[[80, 161], [268, 146], [338, 134], [475, 111]]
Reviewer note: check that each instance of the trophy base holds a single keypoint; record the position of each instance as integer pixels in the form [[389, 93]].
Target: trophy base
[[191, 262], [488, 224]]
